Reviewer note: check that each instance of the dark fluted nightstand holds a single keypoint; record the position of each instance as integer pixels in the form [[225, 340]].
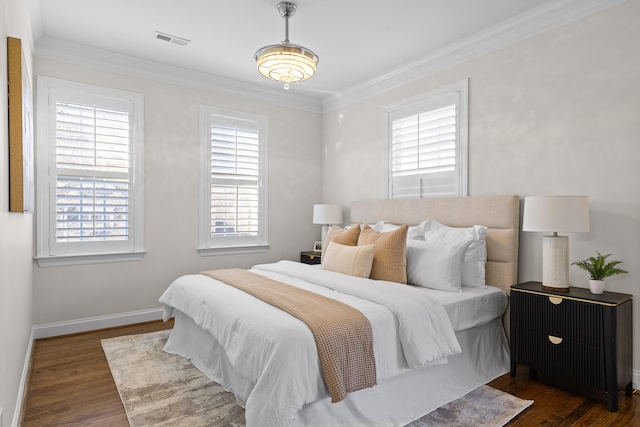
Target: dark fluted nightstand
[[576, 336], [311, 257]]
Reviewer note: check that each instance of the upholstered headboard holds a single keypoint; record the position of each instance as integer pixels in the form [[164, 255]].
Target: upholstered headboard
[[501, 214]]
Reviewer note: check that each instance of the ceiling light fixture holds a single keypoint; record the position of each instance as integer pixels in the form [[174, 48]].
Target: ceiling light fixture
[[286, 62]]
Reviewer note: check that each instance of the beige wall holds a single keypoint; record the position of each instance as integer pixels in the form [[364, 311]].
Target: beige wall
[[558, 113], [171, 176], [16, 237]]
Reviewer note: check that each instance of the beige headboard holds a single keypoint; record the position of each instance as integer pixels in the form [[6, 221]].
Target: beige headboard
[[501, 214]]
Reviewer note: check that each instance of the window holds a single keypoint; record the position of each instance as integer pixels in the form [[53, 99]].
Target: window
[[427, 144], [89, 174], [233, 197]]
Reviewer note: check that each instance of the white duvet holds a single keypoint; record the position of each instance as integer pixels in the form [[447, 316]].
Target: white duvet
[[275, 353]]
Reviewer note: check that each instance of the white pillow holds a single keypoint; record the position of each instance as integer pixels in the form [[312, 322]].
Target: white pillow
[[352, 260], [436, 264], [415, 231], [377, 226], [473, 270]]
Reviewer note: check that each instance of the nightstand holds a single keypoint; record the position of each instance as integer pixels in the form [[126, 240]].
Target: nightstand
[[311, 257], [576, 337]]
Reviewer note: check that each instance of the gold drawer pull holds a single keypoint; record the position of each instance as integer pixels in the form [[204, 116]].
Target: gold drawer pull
[[312, 256], [555, 300], [555, 340]]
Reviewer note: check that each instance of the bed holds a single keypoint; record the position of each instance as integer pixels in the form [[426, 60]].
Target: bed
[[274, 370]]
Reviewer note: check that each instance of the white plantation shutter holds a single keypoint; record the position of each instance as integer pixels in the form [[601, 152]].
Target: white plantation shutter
[[234, 181], [233, 213], [427, 145], [90, 180], [91, 209], [93, 148]]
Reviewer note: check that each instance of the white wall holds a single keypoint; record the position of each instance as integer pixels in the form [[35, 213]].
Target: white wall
[[558, 113], [171, 177], [16, 237]]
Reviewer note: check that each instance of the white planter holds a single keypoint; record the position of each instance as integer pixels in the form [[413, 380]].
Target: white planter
[[596, 286]]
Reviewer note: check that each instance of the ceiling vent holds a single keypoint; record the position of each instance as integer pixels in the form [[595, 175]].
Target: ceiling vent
[[172, 39]]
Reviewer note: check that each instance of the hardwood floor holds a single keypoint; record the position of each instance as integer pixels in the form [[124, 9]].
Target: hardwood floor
[[557, 407], [70, 385]]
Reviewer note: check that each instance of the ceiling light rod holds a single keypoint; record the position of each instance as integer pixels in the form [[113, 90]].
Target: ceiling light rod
[[287, 10], [286, 62]]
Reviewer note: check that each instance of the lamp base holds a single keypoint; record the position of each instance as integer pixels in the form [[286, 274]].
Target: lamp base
[[555, 263], [325, 230]]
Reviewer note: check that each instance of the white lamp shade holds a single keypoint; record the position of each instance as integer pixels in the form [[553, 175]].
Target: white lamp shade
[[558, 214], [327, 214]]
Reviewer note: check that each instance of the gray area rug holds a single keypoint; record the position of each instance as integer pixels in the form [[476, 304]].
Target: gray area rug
[[160, 389], [483, 407]]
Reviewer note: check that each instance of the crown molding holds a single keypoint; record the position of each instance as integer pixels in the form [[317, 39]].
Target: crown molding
[[59, 50], [543, 18]]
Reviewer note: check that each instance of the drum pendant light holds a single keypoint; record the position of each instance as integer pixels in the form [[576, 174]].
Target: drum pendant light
[[286, 62]]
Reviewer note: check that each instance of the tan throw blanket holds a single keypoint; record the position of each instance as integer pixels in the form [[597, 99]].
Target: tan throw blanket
[[343, 335]]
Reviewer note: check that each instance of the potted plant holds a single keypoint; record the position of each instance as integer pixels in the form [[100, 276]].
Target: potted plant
[[599, 269]]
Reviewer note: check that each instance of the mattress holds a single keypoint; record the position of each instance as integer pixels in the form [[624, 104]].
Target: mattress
[[472, 306]]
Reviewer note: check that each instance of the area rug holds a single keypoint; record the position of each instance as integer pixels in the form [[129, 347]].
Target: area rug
[[160, 389], [483, 407]]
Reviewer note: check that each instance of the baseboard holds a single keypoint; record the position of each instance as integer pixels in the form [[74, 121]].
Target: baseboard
[[15, 421], [95, 323]]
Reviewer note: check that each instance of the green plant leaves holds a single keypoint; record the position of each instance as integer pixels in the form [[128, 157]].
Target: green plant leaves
[[598, 268]]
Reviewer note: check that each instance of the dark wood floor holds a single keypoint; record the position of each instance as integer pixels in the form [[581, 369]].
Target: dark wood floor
[[70, 385], [555, 406]]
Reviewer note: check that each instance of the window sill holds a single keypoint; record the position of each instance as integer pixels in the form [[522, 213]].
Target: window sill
[[232, 250], [62, 260]]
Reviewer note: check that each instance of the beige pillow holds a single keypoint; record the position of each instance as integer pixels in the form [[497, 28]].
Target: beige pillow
[[348, 237], [389, 259], [351, 260]]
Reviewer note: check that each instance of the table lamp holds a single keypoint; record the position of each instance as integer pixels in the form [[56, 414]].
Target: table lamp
[[327, 215], [556, 214]]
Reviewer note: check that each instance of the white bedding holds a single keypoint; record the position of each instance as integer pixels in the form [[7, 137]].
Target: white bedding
[[472, 307], [276, 367]]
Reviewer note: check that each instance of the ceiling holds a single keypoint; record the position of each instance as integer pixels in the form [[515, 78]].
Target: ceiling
[[356, 40]]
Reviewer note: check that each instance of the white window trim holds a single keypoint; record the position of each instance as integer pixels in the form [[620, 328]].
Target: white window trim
[[204, 248], [462, 149], [44, 156]]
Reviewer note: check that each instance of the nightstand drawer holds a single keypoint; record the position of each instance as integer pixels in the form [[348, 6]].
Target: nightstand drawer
[[577, 362], [309, 257], [561, 317]]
